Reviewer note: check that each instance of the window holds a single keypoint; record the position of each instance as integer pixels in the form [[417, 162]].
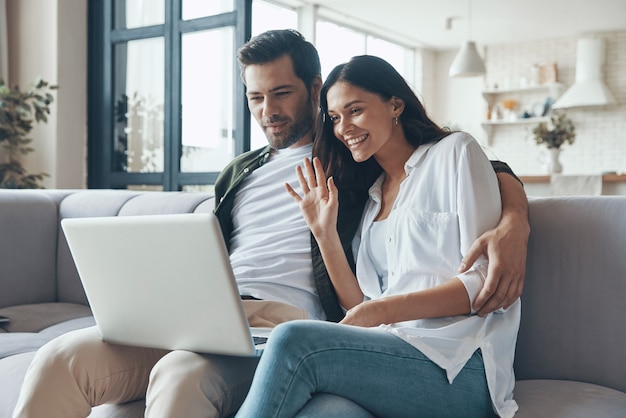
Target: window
[[166, 110], [267, 16], [207, 100], [337, 44]]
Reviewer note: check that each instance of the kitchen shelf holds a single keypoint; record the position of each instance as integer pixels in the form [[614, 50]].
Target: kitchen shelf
[[520, 121], [553, 90], [488, 125]]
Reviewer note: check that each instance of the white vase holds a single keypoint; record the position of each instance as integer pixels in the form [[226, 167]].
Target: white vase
[[553, 165]]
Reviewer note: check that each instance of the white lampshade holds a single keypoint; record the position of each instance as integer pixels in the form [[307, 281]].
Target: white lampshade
[[467, 62]]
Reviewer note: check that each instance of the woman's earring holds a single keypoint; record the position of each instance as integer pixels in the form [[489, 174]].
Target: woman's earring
[[396, 121]]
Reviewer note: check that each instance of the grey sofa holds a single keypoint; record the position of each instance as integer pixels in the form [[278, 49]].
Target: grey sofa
[[39, 287], [570, 359]]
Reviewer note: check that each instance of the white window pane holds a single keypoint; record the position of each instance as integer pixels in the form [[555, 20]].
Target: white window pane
[[267, 16], [402, 59], [257, 137], [207, 100], [193, 9], [139, 106], [337, 44], [390, 52], [139, 13]]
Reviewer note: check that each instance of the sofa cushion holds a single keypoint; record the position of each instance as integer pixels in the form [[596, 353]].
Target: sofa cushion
[[163, 203], [82, 203], [28, 227], [12, 371], [128, 410], [12, 343], [113, 203], [573, 300], [38, 316], [567, 399], [206, 207]]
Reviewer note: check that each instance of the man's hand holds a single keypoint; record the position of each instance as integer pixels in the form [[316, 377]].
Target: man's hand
[[505, 247]]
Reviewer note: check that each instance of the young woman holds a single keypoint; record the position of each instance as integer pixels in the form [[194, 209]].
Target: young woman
[[410, 344]]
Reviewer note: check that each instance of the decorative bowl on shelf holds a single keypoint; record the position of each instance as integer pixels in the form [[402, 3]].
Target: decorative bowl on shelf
[[509, 104]]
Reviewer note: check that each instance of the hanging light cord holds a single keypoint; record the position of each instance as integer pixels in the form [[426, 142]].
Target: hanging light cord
[[469, 20]]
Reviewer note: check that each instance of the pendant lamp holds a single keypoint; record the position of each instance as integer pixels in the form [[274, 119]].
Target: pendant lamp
[[467, 63]]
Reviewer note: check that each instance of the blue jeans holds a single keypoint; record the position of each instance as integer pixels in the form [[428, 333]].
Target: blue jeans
[[325, 405], [376, 370]]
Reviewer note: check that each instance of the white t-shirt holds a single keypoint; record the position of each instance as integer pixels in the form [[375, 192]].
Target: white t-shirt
[[449, 197], [270, 246], [374, 247]]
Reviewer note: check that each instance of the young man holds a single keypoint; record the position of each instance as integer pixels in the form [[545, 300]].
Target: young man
[[273, 255]]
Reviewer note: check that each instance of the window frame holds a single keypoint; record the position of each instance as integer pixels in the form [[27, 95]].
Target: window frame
[[102, 38]]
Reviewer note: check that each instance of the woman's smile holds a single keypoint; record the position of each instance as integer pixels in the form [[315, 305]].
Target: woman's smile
[[353, 142]]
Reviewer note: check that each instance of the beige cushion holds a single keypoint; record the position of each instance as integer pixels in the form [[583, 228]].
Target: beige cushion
[[38, 316], [567, 399]]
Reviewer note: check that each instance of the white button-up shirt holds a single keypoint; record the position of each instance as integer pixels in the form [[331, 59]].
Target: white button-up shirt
[[448, 199]]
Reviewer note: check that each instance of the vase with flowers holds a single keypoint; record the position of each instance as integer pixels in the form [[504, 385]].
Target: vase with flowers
[[554, 134]]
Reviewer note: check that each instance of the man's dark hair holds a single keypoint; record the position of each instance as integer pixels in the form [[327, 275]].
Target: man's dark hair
[[273, 44]]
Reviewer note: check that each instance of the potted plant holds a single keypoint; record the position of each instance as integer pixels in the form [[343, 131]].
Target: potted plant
[[559, 131], [19, 110]]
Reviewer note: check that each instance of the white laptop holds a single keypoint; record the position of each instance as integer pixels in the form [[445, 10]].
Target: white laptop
[[162, 281]]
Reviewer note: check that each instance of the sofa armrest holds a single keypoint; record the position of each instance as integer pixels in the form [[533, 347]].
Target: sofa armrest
[[573, 300], [28, 240]]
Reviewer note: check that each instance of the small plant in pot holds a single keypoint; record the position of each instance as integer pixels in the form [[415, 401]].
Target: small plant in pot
[[19, 110], [560, 131]]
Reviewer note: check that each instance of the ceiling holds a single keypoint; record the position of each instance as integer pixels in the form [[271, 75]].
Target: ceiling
[[423, 22]]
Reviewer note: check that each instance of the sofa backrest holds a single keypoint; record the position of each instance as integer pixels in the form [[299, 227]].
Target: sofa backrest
[[35, 263], [28, 239], [115, 203], [573, 311]]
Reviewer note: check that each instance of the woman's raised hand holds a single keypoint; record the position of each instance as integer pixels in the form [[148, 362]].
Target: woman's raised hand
[[318, 202]]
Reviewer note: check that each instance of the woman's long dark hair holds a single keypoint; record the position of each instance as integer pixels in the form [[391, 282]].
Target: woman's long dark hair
[[377, 76]]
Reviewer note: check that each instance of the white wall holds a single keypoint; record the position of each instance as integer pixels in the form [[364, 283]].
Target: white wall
[[600, 144], [49, 39], [459, 102]]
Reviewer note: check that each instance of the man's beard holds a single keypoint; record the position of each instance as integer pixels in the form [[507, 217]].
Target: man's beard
[[295, 132]]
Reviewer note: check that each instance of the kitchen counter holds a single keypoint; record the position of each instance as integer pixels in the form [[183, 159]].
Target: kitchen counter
[[606, 178], [612, 184]]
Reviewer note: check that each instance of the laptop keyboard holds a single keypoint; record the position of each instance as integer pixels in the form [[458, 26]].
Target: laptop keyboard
[[259, 340]]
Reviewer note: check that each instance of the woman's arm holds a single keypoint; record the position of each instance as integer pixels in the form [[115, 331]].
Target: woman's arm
[[319, 204], [505, 246], [447, 299], [477, 204]]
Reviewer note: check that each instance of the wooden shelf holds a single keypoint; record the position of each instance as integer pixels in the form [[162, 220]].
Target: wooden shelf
[[606, 178], [553, 90], [488, 125], [520, 121], [614, 178]]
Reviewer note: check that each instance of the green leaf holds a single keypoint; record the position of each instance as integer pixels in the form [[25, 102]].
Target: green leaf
[[16, 121]]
